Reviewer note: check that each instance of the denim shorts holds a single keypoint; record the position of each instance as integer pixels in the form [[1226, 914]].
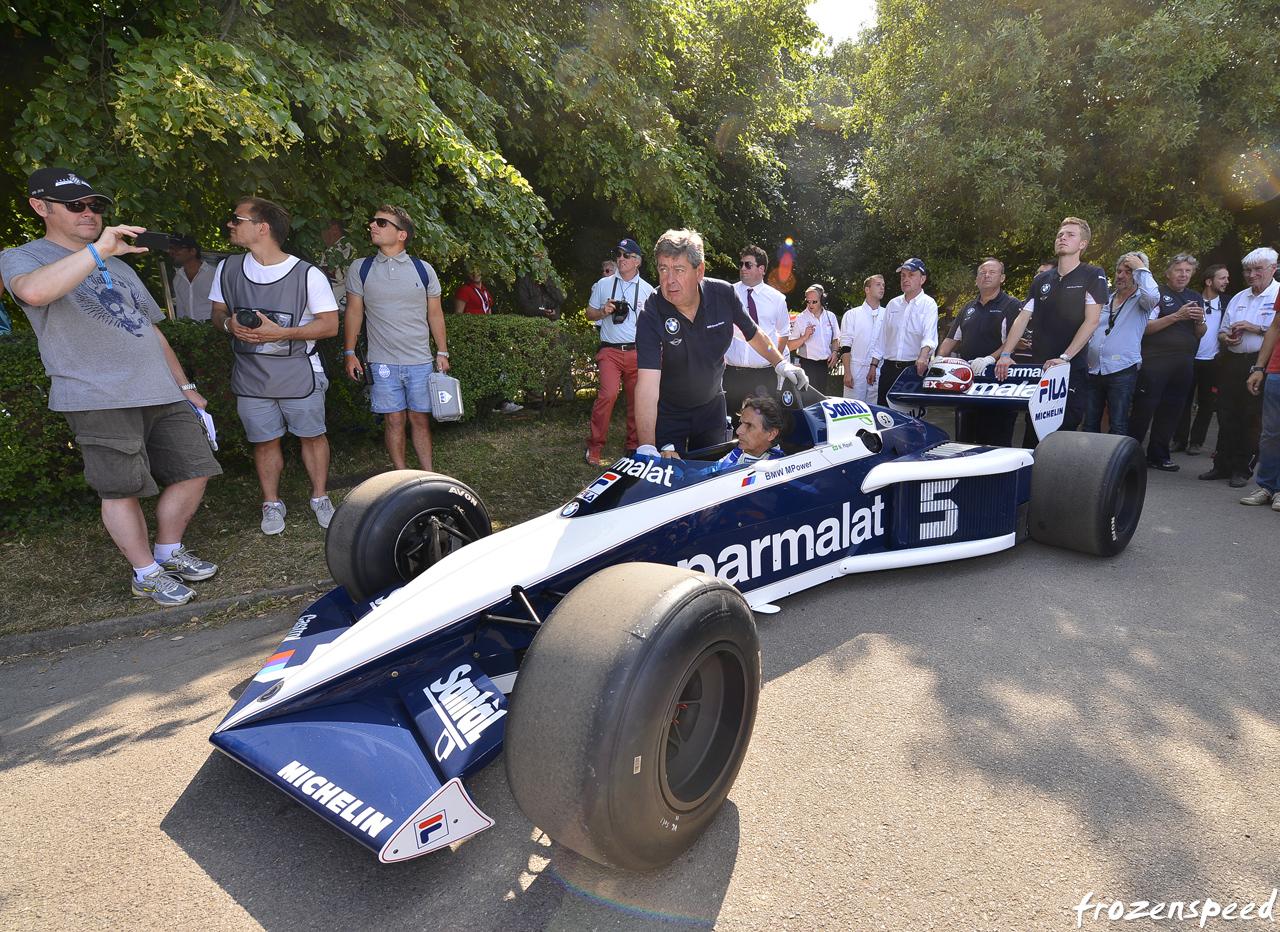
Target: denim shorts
[[399, 388]]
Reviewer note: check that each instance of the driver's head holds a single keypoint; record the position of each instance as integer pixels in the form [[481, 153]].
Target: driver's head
[[760, 423]]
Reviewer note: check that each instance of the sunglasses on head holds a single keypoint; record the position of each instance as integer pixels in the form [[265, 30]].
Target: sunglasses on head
[[79, 207], [383, 222]]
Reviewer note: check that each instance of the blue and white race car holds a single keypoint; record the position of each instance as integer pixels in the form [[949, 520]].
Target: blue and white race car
[[609, 647]]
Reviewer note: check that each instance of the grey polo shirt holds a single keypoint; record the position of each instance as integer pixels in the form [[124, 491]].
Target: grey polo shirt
[[395, 308]]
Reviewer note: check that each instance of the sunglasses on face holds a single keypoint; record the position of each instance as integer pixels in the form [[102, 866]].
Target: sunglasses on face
[[746, 265], [79, 207], [235, 220], [383, 223], [625, 255]]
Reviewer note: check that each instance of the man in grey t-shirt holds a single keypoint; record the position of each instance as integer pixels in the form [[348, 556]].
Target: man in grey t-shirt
[[115, 379], [397, 297]]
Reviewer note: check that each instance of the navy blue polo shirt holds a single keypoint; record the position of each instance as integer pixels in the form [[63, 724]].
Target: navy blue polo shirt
[[1058, 308], [1176, 339], [690, 354], [981, 328]]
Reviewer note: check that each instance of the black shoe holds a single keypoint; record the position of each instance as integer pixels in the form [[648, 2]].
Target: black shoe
[[1214, 474], [1166, 466], [1238, 481]]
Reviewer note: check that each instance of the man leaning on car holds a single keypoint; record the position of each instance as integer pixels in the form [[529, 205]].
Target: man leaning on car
[[115, 379]]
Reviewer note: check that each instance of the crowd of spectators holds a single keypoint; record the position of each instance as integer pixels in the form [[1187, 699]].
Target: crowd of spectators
[[1154, 360]]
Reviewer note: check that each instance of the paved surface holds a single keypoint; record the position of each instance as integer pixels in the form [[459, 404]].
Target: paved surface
[[970, 746]]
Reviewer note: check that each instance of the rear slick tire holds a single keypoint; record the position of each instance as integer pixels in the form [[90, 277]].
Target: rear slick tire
[[632, 713], [1087, 491]]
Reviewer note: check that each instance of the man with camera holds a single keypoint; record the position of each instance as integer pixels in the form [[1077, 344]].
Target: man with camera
[[275, 306], [397, 297], [615, 302], [115, 379]]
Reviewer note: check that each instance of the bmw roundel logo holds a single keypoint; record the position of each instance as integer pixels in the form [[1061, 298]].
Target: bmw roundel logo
[[672, 325], [788, 398], [1044, 289], [569, 510], [1168, 299]]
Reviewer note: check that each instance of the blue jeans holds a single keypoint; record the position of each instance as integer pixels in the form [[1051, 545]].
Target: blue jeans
[[1268, 474], [400, 388], [1116, 392]]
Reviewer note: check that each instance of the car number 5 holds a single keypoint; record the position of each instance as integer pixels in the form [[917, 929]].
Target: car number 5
[[932, 530]]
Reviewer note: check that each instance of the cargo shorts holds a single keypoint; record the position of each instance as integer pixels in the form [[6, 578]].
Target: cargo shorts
[[130, 452]]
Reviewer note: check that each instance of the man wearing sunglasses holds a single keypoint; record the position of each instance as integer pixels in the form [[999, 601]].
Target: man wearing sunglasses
[[276, 306], [746, 372], [396, 296], [614, 306], [115, 379]]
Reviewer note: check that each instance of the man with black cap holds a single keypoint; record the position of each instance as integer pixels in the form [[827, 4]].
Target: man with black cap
[[908, 330], [115, 379], [614, 305], [192, 280]]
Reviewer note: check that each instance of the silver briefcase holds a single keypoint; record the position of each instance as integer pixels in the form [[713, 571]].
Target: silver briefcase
[[446, 397]]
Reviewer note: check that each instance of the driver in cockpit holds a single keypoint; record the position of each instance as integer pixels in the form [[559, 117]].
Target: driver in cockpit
[[760, 423]]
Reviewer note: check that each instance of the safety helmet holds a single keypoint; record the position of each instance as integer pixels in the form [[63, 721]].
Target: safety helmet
[[948, 374]]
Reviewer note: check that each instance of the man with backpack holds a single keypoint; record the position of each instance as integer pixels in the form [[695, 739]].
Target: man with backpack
[[398, 296]]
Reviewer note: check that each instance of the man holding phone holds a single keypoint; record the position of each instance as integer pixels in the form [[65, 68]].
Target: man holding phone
[[1169, 345], [115, 379], [396, 297]]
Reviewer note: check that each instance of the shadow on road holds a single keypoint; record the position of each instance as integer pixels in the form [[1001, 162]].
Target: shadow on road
[[290, 870]]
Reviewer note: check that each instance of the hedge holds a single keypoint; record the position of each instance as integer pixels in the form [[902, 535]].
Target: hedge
[[502, 356]]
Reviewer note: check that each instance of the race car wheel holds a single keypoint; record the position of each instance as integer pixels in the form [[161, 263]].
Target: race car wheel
[[1087, 491], [632, 713], [395, 525]]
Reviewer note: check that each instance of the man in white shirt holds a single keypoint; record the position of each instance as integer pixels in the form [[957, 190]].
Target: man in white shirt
[[1241, 332], [615, 303], [746, 372], [276, 306], [815, 336], [192, 280], [1189, 437], [858, 330], [908, 331]]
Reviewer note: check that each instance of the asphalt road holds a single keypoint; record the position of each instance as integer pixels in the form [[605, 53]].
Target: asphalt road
[[969, 746]]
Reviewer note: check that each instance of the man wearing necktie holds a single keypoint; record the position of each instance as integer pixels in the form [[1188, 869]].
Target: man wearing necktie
[[746, 372]]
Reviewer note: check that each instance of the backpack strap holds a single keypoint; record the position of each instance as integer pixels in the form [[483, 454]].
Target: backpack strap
[[422, 272], [365, 266]]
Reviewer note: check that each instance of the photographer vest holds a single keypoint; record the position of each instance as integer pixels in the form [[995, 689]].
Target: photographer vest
[[280, 370]]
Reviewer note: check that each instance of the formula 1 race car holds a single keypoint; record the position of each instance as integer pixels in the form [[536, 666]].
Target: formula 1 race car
[[609, 647]]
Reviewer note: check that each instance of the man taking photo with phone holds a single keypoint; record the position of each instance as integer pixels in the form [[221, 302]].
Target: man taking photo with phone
[[115, 379]]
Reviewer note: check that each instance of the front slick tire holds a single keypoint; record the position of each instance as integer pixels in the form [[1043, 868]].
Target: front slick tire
[[632, 713]]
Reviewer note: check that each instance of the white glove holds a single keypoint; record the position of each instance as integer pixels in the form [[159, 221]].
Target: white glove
[[647, 449], [793, 374], [981, 364]]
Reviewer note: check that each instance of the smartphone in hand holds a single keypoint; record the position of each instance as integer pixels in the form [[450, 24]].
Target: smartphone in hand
[[156, 242]]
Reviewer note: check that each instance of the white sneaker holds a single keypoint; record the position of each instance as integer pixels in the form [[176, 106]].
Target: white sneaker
[[273, 517], [323, 509], [510, 407]]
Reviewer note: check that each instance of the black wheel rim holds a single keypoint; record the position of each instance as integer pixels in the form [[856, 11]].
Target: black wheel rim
[[428, 537], [705, 724]]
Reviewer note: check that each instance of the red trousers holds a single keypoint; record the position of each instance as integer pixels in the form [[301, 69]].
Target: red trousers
[[617, 370]]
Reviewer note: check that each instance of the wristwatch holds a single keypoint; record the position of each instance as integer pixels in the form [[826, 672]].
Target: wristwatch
[[1065, 357], [1253, 369], [189, 387]]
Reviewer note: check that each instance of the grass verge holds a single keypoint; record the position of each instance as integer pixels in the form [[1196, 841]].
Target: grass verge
[[69, 572]]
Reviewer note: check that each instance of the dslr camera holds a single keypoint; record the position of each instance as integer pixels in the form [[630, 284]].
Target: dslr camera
[[248, 319], [620, 311]]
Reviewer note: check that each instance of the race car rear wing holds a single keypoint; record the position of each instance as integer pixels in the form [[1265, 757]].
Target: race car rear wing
[[1041, 393]]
